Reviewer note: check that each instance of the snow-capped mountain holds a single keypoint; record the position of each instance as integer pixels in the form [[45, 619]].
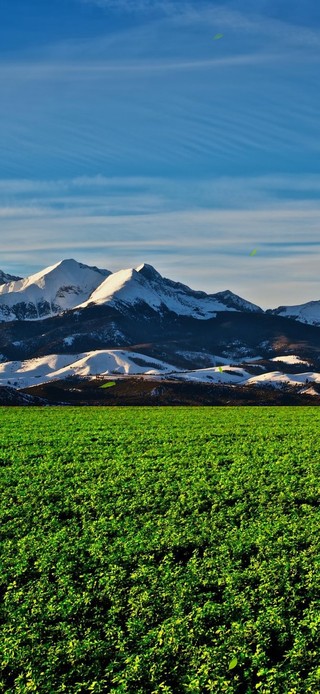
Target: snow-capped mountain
[[69, 284], [308, 313], [55, 289], [144, 285], [4, 277]]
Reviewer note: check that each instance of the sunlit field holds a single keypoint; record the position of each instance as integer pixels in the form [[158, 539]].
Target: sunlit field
[[160, 550]]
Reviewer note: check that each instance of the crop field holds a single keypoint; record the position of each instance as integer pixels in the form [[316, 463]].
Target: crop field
[[160, 550]]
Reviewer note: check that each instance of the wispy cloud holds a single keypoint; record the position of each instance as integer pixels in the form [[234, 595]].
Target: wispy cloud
[[67, 71], [166, 7], [153, 142], [251, 20], [205, 246], [246, 192], [167, 90]]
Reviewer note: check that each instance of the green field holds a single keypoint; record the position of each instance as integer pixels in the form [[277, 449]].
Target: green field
[[160, 550]]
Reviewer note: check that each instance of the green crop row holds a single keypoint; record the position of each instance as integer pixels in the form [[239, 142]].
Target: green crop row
[[160, 550]]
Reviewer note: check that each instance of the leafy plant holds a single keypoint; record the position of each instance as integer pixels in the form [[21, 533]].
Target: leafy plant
[[160, 550]]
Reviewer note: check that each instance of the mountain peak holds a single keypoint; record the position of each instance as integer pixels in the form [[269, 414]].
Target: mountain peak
[[50, 291], [67, 262], [148, 271], [72, 265]]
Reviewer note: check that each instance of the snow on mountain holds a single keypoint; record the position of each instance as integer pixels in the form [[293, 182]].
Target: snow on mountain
[[4, 277], [105, 362], [69, 284], [277, 379], [308, 313], [214, 359], [30, 372], [290, 359], [308, 391], [145, 285], [214, 375], [238, 376], [23, 374], [55, 289]]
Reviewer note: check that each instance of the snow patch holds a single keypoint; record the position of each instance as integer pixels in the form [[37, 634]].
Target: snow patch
[[290, 359], [278, 379], [213, 375], [68, 341], [58, 366]]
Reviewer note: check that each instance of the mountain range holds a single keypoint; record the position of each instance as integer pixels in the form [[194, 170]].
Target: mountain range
[[69, 285], [84, 319]]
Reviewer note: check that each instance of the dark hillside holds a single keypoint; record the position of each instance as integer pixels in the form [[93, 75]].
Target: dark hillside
[[141, 391]]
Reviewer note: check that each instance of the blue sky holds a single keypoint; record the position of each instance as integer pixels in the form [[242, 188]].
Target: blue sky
[[128, 135]]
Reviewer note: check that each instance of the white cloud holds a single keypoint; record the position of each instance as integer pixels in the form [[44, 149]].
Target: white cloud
[[67, 71], [183, 41], [207, 248], [229, 192], [226, 16], [167, 7]]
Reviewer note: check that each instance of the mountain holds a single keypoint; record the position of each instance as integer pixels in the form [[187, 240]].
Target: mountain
[[71, 318], [308, 313], [53, 290], [145, 286], [4, 277]]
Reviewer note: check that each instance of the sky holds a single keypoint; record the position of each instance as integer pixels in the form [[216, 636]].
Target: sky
[[130, 134]]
